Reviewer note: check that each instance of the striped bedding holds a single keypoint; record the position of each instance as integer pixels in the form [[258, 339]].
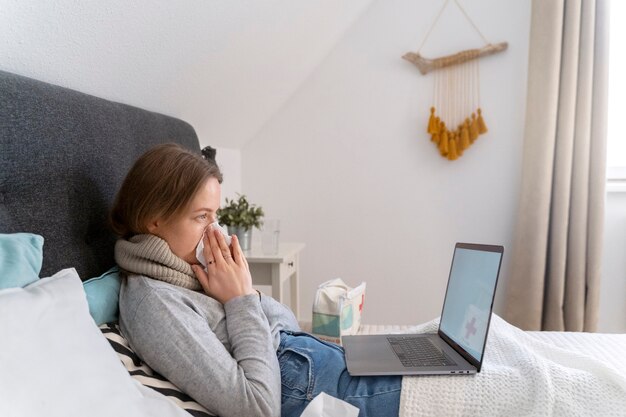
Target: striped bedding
[[146, 376]]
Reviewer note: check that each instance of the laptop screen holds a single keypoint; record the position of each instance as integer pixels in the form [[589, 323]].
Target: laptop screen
[[469, 297]]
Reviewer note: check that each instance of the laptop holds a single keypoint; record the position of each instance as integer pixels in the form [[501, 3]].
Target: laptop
[[459, 344]]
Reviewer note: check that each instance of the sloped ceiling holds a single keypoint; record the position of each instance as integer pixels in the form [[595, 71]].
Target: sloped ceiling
[[223, 66]]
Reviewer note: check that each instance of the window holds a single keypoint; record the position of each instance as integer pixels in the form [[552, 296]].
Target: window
[[616, 129]]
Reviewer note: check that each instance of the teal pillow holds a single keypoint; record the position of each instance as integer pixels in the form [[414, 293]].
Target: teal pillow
[[102, 296], [21, 255]]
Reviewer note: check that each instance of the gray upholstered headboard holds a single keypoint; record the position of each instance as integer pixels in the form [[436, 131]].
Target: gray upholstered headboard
[[63, 155]]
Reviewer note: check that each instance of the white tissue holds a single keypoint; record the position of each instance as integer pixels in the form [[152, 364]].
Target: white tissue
[[200, 252], [200, 247], [326, 406]]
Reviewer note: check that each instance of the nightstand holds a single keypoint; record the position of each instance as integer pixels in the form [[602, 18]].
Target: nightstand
[[276, 270]]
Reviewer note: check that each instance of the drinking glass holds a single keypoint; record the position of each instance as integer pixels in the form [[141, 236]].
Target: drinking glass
[[270, 236]]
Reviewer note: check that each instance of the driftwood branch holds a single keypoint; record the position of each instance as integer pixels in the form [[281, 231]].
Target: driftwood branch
[[426, 65]]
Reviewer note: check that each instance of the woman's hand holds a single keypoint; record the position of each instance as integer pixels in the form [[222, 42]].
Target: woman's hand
[[228, 275]]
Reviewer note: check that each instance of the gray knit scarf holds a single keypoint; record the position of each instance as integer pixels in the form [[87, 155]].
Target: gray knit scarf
[[151, 256]]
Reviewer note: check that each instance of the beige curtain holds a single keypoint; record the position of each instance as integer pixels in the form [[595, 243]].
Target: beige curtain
[[557, 249]]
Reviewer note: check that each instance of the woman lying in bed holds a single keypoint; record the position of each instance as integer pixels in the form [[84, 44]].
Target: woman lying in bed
[[235, 351]]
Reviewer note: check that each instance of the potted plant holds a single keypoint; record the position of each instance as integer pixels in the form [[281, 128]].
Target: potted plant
[[240, 216]]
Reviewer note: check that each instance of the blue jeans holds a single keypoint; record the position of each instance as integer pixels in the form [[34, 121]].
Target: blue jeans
[[309, 366]]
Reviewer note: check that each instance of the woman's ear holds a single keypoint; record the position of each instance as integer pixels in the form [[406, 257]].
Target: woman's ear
[[153, 226]]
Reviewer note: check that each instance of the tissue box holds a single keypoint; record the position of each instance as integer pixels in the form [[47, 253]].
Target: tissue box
[[337, 310]]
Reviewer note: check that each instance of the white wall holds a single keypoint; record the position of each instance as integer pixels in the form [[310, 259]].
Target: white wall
[[229, 161], [223, 66], [348, 168], [613, 291]]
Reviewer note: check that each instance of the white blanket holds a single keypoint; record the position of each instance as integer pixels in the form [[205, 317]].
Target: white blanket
[[523, 375]]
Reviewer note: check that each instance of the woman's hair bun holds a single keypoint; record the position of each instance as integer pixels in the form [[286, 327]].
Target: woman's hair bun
[[208, 153]]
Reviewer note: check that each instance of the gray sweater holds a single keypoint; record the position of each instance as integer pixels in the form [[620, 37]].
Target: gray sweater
[[224, 356]]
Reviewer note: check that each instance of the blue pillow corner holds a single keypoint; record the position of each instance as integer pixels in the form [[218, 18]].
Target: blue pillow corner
[[21, 257], [103, 296]]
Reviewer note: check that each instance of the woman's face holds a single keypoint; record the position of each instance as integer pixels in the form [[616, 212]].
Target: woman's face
[[184, 232]]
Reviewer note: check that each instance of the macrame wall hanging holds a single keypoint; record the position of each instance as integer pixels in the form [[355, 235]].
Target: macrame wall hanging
[[456, 118]]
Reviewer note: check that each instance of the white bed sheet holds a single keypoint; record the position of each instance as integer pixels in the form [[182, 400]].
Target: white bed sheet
[[527, 374], [610, 348], [452, 395], [604, 346]]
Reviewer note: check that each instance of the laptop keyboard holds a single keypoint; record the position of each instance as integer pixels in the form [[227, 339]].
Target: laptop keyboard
[[418, 351]]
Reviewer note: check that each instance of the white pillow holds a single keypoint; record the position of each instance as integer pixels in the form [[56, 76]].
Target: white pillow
[[54, 361]]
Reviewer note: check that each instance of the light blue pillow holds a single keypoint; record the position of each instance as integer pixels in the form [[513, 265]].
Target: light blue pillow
[[21, 255], [102, 296]]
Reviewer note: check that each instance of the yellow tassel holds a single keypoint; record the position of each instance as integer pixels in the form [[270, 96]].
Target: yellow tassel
[[465, 140], [440, 127], [482, 127], [431, 121], [459, 148], [473, 128], [443, 142], [452, 155]]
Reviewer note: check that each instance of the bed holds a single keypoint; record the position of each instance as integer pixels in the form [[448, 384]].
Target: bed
[[63, 155]]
